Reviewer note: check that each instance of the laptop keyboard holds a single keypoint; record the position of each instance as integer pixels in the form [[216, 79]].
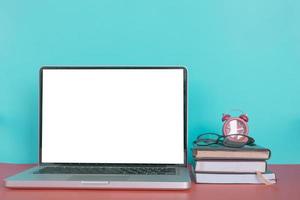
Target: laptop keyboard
[[108, 170]]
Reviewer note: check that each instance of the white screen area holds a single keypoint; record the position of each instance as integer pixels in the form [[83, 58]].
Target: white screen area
[[113, 116]]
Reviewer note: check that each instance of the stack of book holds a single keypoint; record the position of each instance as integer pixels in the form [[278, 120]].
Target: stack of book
[[219, 164]]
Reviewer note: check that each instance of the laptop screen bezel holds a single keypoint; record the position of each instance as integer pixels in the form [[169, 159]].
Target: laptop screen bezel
[[114, 68]]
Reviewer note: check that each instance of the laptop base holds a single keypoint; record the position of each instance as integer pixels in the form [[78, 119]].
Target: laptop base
[[27, 179]]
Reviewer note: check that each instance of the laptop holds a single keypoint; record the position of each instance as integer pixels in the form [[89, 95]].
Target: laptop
[[110, 128]]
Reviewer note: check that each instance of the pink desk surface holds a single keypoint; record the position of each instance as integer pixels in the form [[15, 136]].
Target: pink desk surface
[[287, 188]]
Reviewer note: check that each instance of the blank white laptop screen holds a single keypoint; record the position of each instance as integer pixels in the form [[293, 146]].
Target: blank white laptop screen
[[113, 116]]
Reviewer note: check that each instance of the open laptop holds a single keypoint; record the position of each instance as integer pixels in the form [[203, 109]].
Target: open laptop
[[111, 127]]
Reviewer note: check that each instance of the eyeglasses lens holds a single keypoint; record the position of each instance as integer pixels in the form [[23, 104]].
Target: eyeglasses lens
[[207, 139], [236, 140]]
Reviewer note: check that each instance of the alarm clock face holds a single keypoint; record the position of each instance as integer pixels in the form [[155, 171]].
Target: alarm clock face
[[234, 126]]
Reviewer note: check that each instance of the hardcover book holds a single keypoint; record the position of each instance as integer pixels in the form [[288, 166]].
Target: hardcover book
[[218, 151], [234, 178], [228, 166]]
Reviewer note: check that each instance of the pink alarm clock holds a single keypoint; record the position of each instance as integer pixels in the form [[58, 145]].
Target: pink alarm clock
[[235, 125]]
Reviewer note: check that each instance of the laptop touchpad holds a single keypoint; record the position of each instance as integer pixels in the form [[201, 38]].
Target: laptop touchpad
[[98, 178]]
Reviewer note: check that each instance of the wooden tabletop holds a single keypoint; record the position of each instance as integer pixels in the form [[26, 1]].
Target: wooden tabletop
[[287, 187]]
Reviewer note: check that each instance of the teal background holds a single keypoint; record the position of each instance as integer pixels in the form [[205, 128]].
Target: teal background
[[240, 54]]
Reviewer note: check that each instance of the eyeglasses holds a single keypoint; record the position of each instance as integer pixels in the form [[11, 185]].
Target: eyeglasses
[[233, 140]]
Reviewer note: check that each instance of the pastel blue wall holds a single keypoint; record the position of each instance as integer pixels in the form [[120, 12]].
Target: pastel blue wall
[[240, 54]]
